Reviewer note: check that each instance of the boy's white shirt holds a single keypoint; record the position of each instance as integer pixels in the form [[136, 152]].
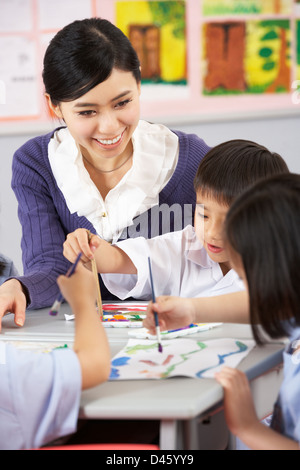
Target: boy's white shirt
[[180, 267]]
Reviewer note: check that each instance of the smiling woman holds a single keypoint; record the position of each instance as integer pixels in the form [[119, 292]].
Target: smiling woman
[[104, 170], [102, 124]]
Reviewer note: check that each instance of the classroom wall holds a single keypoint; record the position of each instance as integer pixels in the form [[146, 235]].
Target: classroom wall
[[278, 134]]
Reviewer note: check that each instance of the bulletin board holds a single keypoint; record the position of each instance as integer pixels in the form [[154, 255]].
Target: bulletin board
[[201, 59]]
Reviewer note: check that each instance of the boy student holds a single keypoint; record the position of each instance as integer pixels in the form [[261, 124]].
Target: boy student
[[36, 411], [193, 262]]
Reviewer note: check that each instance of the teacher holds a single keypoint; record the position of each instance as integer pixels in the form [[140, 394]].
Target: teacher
[[104, 170]]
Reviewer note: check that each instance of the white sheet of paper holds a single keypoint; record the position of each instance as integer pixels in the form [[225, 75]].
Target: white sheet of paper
[[140, 359], [18, 72], [15, 16], [56, 14]]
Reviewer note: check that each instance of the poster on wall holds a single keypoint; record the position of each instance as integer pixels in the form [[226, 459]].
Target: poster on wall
[[246, 7], [298, 50], [18, 75], [157, 31], [247, 57]]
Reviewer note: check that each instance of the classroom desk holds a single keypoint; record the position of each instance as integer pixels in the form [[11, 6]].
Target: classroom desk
[[189, 410]]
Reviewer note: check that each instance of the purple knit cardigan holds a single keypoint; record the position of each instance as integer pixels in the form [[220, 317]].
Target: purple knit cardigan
[[46, 219]]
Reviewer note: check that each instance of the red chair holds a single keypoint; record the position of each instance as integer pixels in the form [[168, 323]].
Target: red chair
[[103, 447]]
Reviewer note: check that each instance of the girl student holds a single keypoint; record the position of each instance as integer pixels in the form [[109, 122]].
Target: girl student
[[40, 391], [262, 230], [105, 170]]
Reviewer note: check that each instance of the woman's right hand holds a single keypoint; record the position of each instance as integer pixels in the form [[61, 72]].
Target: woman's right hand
[[13, 299], [80, 241]]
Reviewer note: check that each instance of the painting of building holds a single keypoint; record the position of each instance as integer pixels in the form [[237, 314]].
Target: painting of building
[[247, 57], [157, 31]]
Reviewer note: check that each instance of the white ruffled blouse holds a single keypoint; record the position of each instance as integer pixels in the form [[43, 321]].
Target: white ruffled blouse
[[155, 156]]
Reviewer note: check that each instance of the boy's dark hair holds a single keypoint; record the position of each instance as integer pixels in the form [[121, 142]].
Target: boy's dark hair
[[263, 228], [231, 167], [82, 55]]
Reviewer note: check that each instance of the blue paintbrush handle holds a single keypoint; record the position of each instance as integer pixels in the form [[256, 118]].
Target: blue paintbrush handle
[[73, 267], [60, 297], [154, 300]]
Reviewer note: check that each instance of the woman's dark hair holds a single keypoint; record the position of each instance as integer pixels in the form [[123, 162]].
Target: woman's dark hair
[[263, 228], [231, 167], [82, 55]]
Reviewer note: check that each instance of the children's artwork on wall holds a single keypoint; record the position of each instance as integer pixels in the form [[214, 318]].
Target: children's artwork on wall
[[298, 48], [200, 59], [156, 30], [237, 7], [140, 359], [247, 57]]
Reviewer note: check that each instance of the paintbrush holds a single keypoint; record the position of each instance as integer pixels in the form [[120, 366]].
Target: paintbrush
[[99, 300], [160, 349], [95, 273], [57, 303]]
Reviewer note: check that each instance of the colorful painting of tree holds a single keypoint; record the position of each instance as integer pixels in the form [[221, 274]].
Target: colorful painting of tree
[[298, 48], [247, 57], [156, 30], [238, 7]]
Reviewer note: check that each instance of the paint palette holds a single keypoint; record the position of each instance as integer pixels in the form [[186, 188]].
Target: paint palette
[[121, 315], [125, 315], [169, 334]]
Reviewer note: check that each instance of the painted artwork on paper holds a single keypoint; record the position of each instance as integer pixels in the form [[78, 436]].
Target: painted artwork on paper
[[140, 359], [156, 30], [244, 7], [247, 57], [35, 346]]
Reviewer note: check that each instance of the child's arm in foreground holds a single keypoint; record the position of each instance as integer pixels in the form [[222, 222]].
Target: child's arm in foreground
[[241, 416], [109, 258], [91, 345], [177, 312]]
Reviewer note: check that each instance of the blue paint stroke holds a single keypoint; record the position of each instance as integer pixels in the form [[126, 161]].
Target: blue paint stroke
[[241, 348], [114, 374], [118, 362]]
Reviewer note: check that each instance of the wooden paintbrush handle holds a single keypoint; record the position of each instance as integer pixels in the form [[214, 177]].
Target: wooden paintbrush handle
[[95, 273]]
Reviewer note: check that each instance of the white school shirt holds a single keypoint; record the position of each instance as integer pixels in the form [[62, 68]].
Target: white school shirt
[[180, 267], [39, 396], [155, 156]]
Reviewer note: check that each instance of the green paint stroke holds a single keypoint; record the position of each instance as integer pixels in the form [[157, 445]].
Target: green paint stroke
[[184, 357], [140, 347]]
